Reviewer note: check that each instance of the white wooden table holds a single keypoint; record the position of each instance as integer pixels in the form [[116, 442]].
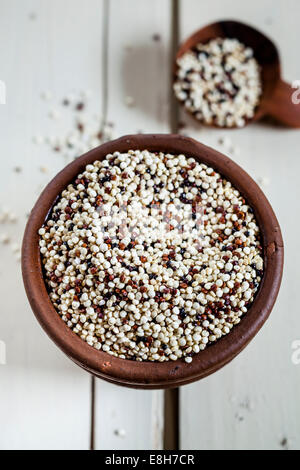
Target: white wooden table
[[121, 48]]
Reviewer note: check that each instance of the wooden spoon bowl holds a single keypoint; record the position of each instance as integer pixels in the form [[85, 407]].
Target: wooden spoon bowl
[[276, 99], [150, 375]]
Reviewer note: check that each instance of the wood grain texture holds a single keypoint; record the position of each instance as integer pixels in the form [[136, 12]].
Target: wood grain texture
[[253, 402], [46, 45], [138, 65]]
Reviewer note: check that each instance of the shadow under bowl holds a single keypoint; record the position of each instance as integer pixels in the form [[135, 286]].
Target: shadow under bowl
[[151, 375]]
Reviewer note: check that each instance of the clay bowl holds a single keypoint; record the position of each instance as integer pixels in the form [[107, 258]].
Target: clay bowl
[[149, 375], [276, 100]]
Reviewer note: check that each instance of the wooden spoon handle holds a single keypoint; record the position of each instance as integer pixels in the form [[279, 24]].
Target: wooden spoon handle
[[284, 104]]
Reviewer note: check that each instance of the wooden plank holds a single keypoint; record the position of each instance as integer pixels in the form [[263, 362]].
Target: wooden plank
[[253, 402], [56, 46], [139, 65], [138, 72]]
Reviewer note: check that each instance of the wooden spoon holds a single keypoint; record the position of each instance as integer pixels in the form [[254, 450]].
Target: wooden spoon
[[276, 99]]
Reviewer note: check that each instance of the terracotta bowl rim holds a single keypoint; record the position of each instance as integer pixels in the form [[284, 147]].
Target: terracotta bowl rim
[[193, 38], [150, 374]]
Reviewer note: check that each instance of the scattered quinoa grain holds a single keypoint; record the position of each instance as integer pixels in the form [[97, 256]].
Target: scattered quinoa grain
[[129, 101]]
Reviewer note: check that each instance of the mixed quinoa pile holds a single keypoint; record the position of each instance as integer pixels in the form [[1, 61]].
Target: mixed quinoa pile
[[151, 256], [219, 82]]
